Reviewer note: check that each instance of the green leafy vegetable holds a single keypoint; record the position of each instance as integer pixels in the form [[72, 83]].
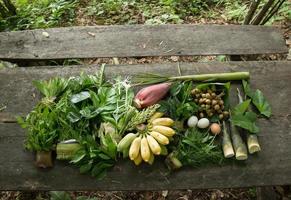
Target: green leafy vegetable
[[76, 98], [198, 148], [258, 100], [53, 87], [41, 125], [91, 158], [241, 107], [246, 121], [179, 105], [261, 103]]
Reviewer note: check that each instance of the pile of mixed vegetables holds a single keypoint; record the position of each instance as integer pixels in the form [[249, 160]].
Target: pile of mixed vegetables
[[187, 120]]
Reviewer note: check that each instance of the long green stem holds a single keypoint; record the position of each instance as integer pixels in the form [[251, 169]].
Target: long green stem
[[231, 76], [150, 78]]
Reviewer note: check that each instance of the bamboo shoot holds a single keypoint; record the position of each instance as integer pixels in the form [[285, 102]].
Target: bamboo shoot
[[226, 142], [253, 144], [238, 144], [252, 139]]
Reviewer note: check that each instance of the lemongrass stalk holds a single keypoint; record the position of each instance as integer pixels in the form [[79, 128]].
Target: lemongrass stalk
[[252, 139], [144, 79], [226, 142], [231, 76], [43, 159], [66, 151], [239, 146]]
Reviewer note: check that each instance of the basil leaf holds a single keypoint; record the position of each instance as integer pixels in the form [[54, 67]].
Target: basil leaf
[[261, 103], [76, 98], [245, 121]]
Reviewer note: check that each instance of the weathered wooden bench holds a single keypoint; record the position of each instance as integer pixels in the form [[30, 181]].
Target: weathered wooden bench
[[272, 166]]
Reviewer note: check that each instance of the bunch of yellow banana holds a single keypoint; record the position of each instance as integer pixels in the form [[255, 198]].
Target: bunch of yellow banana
[[143, 145]]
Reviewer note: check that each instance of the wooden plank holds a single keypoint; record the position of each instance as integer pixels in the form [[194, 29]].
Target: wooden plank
[[270, 167], [141, 40], [19, 95]]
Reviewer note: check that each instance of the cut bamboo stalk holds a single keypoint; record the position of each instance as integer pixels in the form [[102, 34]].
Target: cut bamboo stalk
[[238, 144], [253, 143], [252, 139], [226, 142]]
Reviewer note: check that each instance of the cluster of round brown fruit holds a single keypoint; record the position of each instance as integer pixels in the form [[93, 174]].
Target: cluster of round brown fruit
[[210, 103]]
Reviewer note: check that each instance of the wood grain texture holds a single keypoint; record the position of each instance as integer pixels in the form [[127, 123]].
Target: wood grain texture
[[270, 167], [141, 40], [19, 95]]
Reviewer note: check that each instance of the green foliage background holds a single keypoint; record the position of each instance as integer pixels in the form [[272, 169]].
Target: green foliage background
[[32, 14]]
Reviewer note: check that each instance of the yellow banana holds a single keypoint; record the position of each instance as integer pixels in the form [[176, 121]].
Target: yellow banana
[[159, 137], [152, 159], [163, 121], [154, 145], [137, 160], [155, 116], [145, 149], [166, 131], [134, 148]]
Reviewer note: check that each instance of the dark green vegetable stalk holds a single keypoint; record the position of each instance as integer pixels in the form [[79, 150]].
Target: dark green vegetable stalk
[[144, 79], [252, 139]]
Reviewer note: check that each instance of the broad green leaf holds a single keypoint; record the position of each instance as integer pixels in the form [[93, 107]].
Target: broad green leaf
[[261, 103], [247, 88], [99, 169], [78, 157], [241, 107], [104, 156], [85, 168], [258, 100], [246, 121], [80, 97]]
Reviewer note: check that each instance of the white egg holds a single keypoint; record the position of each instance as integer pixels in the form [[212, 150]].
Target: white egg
[[192, 121], [203, 123]]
